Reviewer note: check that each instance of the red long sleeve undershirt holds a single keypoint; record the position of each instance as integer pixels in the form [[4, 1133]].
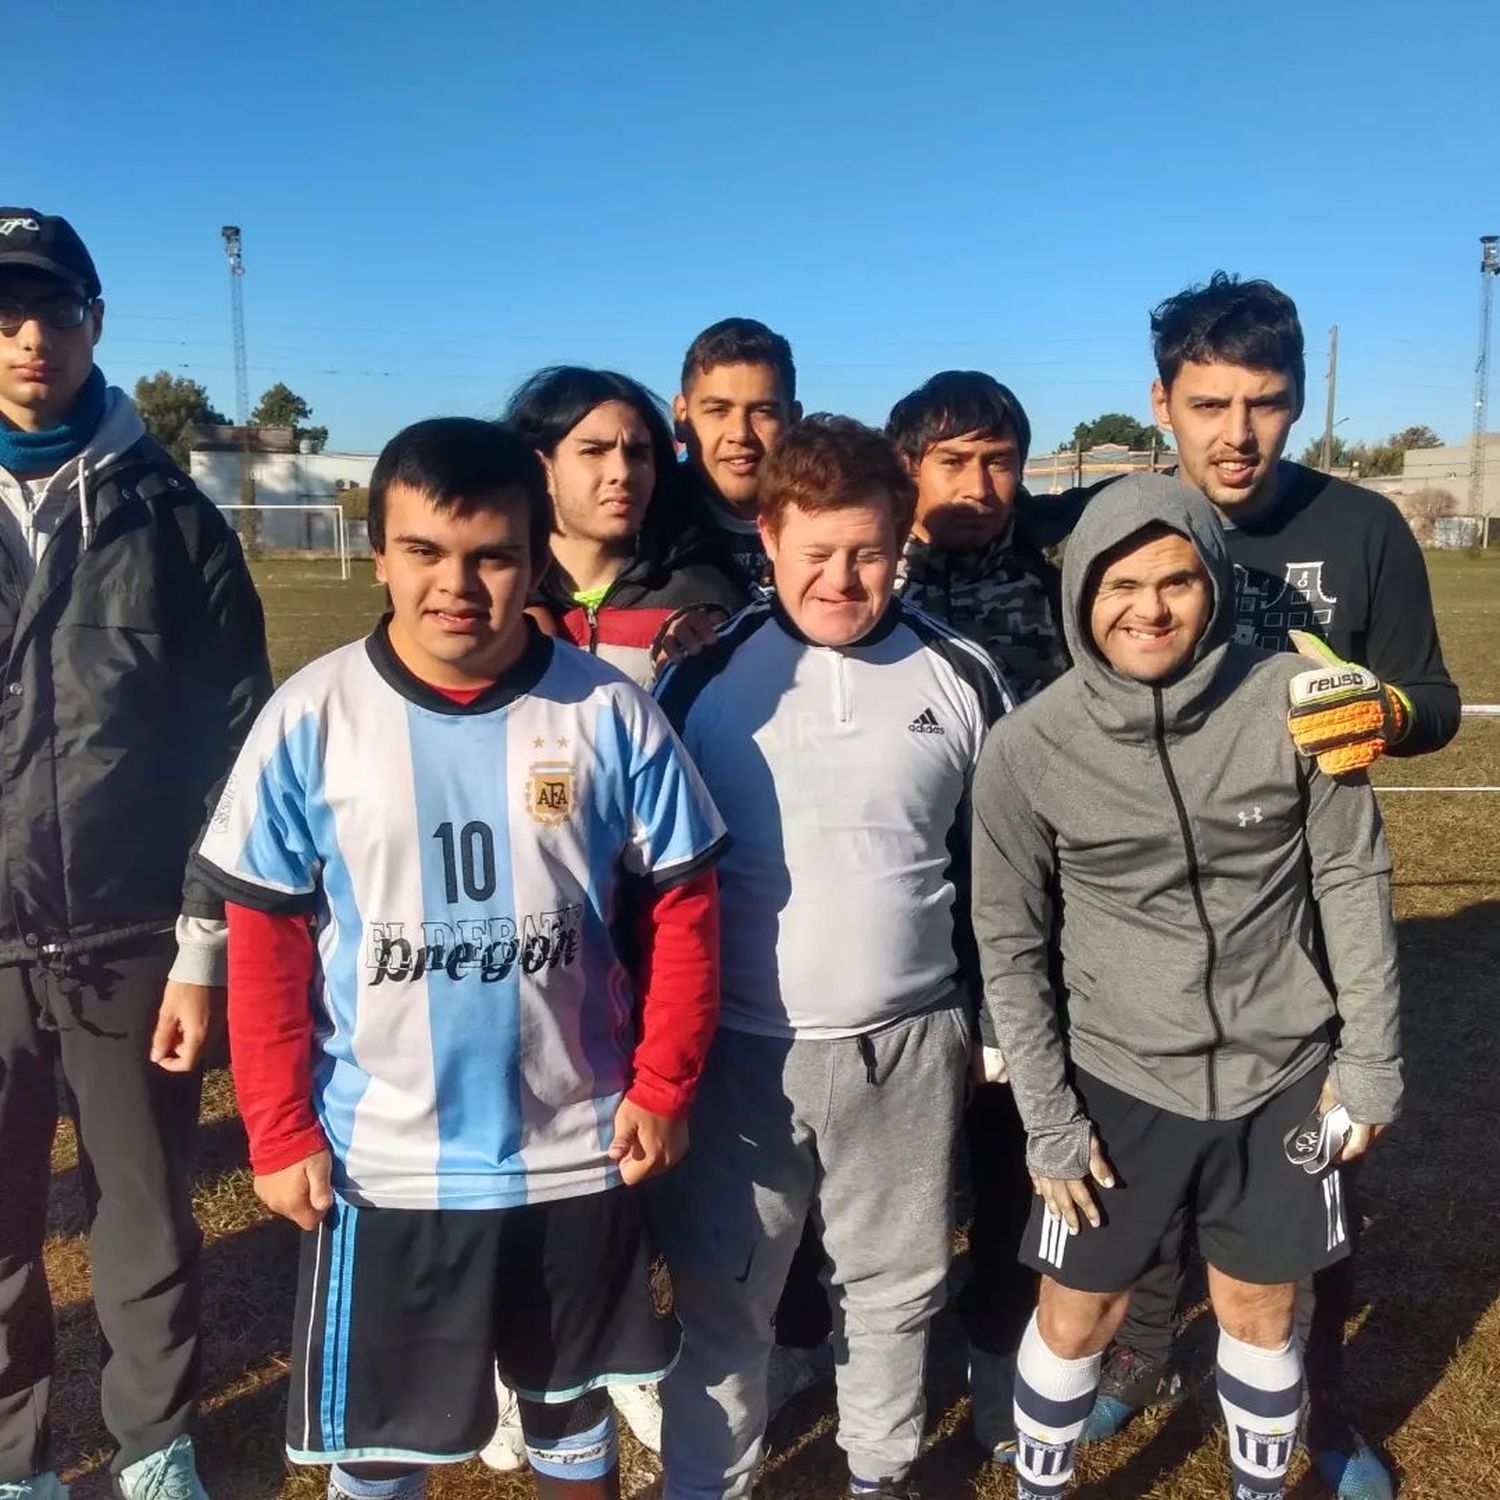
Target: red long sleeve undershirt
[[273, 969]]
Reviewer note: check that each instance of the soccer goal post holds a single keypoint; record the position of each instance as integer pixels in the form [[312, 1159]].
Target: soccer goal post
[[266, 529]]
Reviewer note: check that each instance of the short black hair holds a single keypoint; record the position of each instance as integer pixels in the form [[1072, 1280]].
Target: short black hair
[[952, 404], [466, 464], [740, 341], [1228, 321]]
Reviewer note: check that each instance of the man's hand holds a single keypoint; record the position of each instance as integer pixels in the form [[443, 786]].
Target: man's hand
[[987, 1065], [687, 633], [189, 1015], [1342, 713], [645, 1144], [1360, 1137], [1068, 1196], [301, 1192]]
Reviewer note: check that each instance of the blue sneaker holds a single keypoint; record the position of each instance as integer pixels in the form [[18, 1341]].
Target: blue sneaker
[[1128, 1385], [1350, 1467], [42, 1487], [168, 1474]]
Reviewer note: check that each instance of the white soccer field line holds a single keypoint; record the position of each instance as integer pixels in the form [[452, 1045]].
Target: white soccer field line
[[1471, 711]]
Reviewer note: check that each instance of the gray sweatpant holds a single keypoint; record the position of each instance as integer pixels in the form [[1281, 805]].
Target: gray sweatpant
[[136, 1127], [860, 1133]]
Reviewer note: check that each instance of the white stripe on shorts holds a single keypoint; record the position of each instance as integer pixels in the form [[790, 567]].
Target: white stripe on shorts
[[1054, 1239], [1333, 1204]]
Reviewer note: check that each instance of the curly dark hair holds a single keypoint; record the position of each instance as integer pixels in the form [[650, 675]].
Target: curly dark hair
[[1229, 321]]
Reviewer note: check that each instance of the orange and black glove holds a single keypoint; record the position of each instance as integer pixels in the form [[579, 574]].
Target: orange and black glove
[[1342, 713]]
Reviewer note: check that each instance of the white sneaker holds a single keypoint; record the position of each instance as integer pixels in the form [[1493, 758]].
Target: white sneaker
[[506, 1451], [640, 1405], [793, 1371], [42, 1487]]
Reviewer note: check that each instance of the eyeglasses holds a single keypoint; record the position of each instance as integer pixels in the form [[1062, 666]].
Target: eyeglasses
[[60, 312]]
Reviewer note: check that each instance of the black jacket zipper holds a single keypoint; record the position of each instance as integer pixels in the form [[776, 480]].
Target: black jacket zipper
[[591, 611], [1195, 884]]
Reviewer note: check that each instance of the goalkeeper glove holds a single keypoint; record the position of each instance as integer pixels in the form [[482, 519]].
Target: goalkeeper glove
[[1342, 713]]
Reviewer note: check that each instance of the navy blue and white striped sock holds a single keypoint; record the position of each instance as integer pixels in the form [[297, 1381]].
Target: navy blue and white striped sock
[[1054, 1397], [394, 1484], [1261, 1393]]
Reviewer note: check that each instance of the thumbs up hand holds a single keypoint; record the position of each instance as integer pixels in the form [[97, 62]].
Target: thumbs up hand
[[1342, 714]]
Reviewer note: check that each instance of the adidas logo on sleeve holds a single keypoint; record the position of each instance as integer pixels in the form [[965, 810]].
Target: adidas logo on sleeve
[[926, 723]]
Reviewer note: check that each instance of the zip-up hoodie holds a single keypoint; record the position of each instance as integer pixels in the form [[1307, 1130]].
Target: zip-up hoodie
[[1221, 908], [660, 582], [34, 509]]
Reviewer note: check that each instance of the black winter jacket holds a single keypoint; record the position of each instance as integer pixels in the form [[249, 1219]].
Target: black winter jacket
[[664, 578], [133, 667]]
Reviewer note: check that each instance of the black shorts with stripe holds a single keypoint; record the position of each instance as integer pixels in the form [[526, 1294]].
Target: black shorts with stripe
[[403, 1315], [1258, 1218]]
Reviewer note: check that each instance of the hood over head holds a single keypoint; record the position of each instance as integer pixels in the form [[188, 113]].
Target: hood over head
[[1115, 514]]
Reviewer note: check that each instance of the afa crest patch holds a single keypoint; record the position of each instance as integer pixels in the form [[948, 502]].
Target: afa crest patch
[[549, 792]]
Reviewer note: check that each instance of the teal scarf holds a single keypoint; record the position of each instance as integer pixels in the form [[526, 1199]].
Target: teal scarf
[[47, 451]]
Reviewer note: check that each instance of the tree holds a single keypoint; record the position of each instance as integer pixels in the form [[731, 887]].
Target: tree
[[1415, 437], [170, 404], [1117, 427], [356, 502], [1371, 459], [283, 407], [1312, 455], [1424, 509]]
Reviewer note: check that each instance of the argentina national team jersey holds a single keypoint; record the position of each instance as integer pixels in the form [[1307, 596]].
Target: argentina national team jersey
[[465, 866]]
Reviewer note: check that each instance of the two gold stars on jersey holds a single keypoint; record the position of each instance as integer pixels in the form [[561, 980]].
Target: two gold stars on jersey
[[549, 787]]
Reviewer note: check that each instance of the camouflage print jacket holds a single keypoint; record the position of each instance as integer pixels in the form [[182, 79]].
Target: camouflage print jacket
[[1004, 598]]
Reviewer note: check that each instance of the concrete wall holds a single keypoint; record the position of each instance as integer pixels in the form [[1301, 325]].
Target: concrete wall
[[1447, 468], [286, 479]]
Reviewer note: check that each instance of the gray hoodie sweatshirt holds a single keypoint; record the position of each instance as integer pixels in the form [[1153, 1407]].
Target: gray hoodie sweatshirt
[[1220, 908]]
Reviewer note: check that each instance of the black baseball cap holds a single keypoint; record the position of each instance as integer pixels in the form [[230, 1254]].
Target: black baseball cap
[[46, 242]]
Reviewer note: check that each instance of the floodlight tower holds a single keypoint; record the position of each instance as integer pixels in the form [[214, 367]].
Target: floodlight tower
[[231, 235], [1489, 269]]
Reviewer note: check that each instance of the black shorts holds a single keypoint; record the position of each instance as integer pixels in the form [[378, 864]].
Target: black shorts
[[1258, 1218], [403, 1315]]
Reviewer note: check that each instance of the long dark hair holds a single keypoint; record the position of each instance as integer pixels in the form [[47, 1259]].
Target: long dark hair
[[547, 406]]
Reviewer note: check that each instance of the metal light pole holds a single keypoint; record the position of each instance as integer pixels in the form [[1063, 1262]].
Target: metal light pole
[[1489, 269]]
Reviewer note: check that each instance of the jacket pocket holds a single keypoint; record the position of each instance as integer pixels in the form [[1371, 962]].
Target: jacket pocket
[[129, 609], [1273, 997]]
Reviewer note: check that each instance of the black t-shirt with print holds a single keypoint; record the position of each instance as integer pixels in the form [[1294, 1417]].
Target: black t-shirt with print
[[1333, 559]]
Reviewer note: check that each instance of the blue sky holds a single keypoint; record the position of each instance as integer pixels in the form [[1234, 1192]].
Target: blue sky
[[438, 198]]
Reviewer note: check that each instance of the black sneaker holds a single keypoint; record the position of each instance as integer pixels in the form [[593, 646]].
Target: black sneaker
[[1129, 1384]]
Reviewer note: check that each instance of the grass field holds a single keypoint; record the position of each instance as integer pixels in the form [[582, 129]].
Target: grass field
[[1424, 1355]]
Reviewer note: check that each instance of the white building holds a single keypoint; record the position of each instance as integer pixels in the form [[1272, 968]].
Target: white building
[[280, 476]]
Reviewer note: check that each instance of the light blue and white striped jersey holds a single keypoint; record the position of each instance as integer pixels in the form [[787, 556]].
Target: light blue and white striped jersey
[[474, 1021]]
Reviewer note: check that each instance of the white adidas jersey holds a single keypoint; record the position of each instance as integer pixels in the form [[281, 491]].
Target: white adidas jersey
[[843, 778], [474, 1021]]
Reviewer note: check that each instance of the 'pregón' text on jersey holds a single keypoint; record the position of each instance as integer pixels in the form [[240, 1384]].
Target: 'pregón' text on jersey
[[465, 864]]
